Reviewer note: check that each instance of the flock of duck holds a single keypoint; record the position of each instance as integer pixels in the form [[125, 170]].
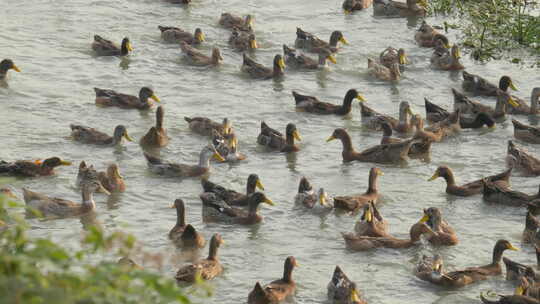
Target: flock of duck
[[371, 230]]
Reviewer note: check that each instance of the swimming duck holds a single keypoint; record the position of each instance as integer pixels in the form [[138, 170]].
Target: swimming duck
[[468, 106], [278, 290], [350, 6], [156, 137], [427, 36], [443, 234], [435, 113], [276, 141], [374, 120], [494, 193], [479, 86], [52, 206], [232, 197], [427, 135], [517, 271], [522, 107], [312, 43], [215, 209], [313, 105], [197, 58], [227, 147], [531, 226], [184, 235], [112, 180], [449, 61], [391, 55], [5, 66], [522, 160], [448, 127], [426, 266], [89, 135], [308, 198], [205, 269], [393, 8], [381, 72], [111, 98], [161, 167], [259, 71], [371, 222], [510, 299], [173, 34], [341, 290], [301, 61], [230, 21], [243, 41], [104, 47], [205, 126], [526, 133], [529, 287], [28, 168], [356, 202], [362, 243], [471, 188], [389, 153], [85, 174], [418, 149]]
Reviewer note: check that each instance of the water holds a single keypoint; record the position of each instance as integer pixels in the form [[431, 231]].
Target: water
[[50, 42]]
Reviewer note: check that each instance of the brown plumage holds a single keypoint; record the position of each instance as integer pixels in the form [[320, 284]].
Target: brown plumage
[[183, 235], [104, 47], [274, 140], [28, 168], [217, 210], [258, 71], [382, 72], [278, 290], [341, 290], [173, 34], [443, 234], [313, 105], [197, 58], [374, 120], [111, 98], [526, 133], [427, 36], [472, 188], [206, 126], [356, 202], [112, 180], [156, 137], [522, 160], [232, 197], [371, 222], [205, 269]]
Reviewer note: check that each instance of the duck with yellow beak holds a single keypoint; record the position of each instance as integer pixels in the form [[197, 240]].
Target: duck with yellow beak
[[391, 55], [258, 71], [341, 289], [104, 47], [276, 141], [314, 44], [393, 8], [89, 135], [350, 6], [173, 34], [312, 105], [111, 98], [217, 210], [449, 61], [29, 168], [5, 66], [309, 198], [302, 61]]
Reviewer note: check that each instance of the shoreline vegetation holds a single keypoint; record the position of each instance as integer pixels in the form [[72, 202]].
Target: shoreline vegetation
[[495, 29]]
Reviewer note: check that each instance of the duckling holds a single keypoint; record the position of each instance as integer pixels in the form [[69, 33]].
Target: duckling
[[276, 141], [205, 126], [258, 71], [173, 34], [243, 41], [184, 235], [205, 269], [111, 98], [161, 167], [112, 180], [381, 72], [374, 120], [447, 61], [215, 209], [308, 198], [157, 136], [197, 58], [435, 113], [278, 290], [356, 202], [104, 47], [227, 20], [496, 194], [313, 44], [443, 234], [418, 149], [302, 61], [28, 168], [341, 290], [5, 66], [232, 197], [522, 160], [52, 206], [482, 87], [427, 36], [468, 106], [350, 6], [522, 107], [390, 56], [89, 135], [371, 222], [472, 188], [399, 9], [313, 105], [526, 133], [389, 153]]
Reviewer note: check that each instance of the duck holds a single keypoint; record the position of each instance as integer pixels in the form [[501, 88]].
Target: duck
[[185, 236], [128, 264], [529, 287], [161, 167], [199, 59], [393, 8], [57, 207], [227, 147], [173, 34], [468, 106], [427, 36], [522, 160], [29, 168], [470, 275], [205, 126], [104, 47], [471, 188], [276, 291], [443, 234], [531, 226], [243, 41], [230, 21], [309, 198], [85, 174], [427, 135], [522, 107], [205, 269], [112, 180], [302, 61], [274, 140], [374, 120], [215, 209], [494, 193], [111, 98], [383, 73], [363, 243], [418, 149], [89, 135], [312, 104], [517, 272], [371, 222], [389, 153], [232, 197], [482, 87], [341, 290], [356, 202], [311, 43], [156, 137], [448, 61], [350, 6], [391, 56], [448, 127], [258, 71], [526, 133], [435, 113], [5, 66], [426, 266]]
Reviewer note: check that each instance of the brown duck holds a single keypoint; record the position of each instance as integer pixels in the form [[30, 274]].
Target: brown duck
[[356, 202], [183, 235], [471, 188], [205, 269], [276, 291], [28, 168], [274, 140], [443, 234], [313, 105], [156, 137]]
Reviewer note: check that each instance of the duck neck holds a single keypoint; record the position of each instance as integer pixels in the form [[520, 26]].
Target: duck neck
[[289, 139], [180, 216], [334, 38], [124, 48], [497, 255], [212, 254], [88, 199], [347, 102], [287, 273], [372, 186], [250, 187], [204, 160], [535, 99], [404, 117], [449, 177], [253, 207], [500, 106], [117, 139], [159, 118], [278, 71], [347, 143]]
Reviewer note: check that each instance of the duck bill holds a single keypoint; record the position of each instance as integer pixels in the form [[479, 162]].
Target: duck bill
[[259, 185], [519, 291], [343, 40], [347, 11], [410, 111], [296, 135], [103, 190], [360, 98], [16, 68], [403, 59], [511, 247], [127, 137], [117, 174], [332, 59], [354, 296], [423, 3], [268, 201], [424, 219], [129, 47], [155, 98], [512, 86], [330, 138], [281, 63], [218, 156], [65, 163], [368, 216], [323, 199], [201, 37], [38, 162], [435, 176], [513, 102], [253, 44]]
